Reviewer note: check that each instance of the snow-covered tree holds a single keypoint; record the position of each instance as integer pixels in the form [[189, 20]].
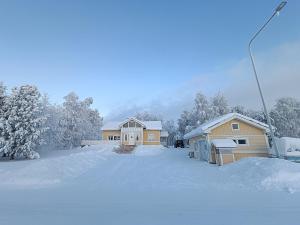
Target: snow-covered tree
[[219, 106], [147, 116], [2, 98], [3, 107], [71, 121], [172, 130], [24, 122], [2, 95], [78, 121], [286, 117], [52, 137], [239, 109], [91, 121], [258, 115], [201, 111], [184, 123]]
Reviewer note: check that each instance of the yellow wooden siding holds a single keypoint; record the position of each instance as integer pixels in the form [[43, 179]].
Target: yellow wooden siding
[[156, 134], [257, 142], [226, 158], [107, 133], [256, 138], [239, 156], [245, 129]]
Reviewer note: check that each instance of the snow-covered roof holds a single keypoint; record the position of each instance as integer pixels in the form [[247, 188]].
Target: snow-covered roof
[[111, 126], [153, 125], [223, 143], [132, 119], [149, 125], [208, 126]]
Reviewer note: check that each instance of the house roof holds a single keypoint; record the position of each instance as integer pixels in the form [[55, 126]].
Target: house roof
[[149, 125], [224, 143], [111, 126], [208, 126], [132, 119], [153, 125]]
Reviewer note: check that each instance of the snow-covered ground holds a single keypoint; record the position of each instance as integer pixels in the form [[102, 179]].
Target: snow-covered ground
[[153, 185]]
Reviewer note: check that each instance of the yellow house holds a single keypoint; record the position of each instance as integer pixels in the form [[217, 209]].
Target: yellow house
[[229, 138], [134, 132]]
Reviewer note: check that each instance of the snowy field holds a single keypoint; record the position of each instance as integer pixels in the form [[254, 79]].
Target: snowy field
[[153, 185]]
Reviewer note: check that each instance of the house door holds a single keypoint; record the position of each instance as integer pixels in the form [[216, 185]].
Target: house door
[[131, 139]]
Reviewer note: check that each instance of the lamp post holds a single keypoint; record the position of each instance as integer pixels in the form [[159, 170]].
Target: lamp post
[[277, 10]]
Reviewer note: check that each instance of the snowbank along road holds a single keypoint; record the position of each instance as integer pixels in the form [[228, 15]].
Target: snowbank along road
[[153, 185]]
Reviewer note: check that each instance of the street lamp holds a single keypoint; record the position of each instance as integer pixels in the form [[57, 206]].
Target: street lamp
[[277, 10]]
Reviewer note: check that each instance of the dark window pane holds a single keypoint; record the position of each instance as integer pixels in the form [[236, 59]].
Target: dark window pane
[[235, 126], [242, 142]]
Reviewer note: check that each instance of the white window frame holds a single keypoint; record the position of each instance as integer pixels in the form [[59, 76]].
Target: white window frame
[[235, 124]]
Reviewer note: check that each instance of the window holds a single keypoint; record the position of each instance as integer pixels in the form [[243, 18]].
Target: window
[[137, 137], [151, 137], [125, 137], [116, 138], [241, 141], [131, 124], [110, 138], [235, 126], [138, 125], [125, 125]]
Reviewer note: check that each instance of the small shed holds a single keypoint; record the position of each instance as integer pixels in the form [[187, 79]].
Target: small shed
[[221, 151]]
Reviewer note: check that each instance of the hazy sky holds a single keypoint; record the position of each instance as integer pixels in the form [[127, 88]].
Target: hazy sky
[[149, 55]]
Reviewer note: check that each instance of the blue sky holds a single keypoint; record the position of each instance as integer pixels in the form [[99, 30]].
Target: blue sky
[[135, 55]]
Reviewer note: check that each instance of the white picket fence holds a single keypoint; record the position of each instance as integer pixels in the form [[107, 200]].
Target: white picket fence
[[97, 142]]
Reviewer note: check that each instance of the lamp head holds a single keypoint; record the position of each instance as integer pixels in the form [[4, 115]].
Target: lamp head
[[280, 7]]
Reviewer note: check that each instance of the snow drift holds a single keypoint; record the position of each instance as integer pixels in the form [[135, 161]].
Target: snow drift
[[264, 174], [147, 168], [66, 165]]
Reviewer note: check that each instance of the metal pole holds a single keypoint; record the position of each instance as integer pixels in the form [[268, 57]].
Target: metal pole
[[282, 4]]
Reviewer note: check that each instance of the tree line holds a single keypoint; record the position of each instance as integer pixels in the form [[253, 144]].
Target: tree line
[[28, 122], [285, 114]]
